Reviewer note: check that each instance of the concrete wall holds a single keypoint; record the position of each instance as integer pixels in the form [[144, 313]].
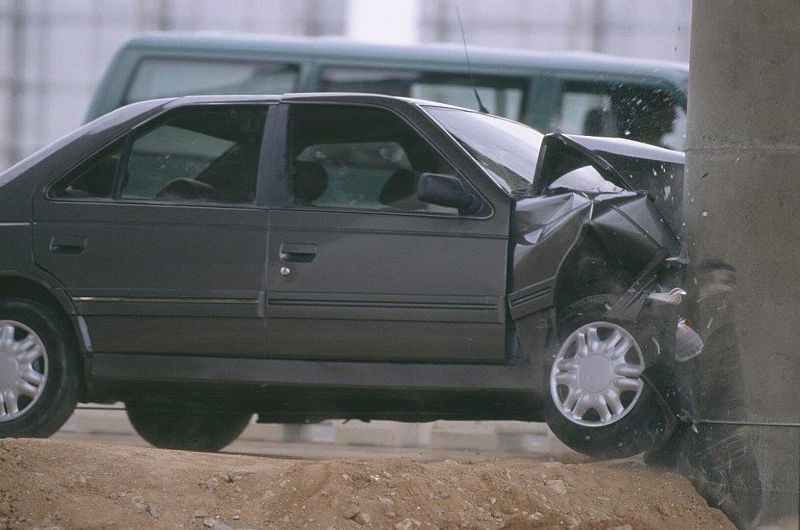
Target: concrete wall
[[743, 240]]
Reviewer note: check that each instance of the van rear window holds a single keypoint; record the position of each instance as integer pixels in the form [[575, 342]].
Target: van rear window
[[160, 77], [503, 96]]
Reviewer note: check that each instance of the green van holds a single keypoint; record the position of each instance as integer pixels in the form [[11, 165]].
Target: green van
[[575, 93]]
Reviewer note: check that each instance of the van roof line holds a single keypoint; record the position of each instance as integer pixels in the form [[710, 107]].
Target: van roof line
[[449, 53]]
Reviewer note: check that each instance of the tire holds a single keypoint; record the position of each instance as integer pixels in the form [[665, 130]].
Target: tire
[[580, 404], [187, 428], [40, 371]]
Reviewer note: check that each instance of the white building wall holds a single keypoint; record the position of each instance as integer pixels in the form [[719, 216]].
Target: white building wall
[[657, 29], [67, 43], [46, 81]]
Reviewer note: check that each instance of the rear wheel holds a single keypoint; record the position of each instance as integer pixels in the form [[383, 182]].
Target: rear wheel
[[598, 402], [187, 428], [39, 370]]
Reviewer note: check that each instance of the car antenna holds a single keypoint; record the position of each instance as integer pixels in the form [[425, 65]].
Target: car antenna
[[481, 108]]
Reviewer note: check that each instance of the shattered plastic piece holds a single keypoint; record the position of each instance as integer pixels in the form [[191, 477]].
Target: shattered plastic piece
[[689, 343]]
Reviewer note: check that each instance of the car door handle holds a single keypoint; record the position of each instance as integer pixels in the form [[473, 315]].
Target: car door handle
[[67, 245], [298, 252]]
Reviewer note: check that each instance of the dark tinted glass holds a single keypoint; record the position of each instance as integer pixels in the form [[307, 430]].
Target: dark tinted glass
[[93, 179], [505, 149], [359, 157], [199, 154]]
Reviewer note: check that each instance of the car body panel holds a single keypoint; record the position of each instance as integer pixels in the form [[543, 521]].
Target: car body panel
[[436, 287], [460, 306], [207, 299]]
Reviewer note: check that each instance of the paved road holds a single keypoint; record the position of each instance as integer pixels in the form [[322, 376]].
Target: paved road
[[110, 426], [319, 451]]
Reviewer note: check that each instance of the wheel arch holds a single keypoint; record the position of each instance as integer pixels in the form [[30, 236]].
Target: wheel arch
[[13, 285], [589, 269]]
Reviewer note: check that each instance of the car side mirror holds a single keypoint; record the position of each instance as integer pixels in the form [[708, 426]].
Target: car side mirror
[[446, 190]]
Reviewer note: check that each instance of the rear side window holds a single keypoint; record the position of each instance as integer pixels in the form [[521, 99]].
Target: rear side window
[[197, 154], [502, 96], [92, 180], [162, 77]]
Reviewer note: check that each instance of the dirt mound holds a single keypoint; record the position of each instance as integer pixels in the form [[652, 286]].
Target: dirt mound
[[81, 485]]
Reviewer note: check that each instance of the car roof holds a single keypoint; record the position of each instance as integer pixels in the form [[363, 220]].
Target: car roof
[[353, 97], [448, 56]]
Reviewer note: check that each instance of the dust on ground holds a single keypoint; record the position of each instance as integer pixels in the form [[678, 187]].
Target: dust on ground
[[48, 483]]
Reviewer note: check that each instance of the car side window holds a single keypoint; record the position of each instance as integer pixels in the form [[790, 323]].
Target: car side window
[[93, 179], [197, 154], [359, 157]]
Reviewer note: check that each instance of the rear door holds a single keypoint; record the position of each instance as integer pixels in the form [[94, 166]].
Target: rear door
[[359, 269], [157, 238]]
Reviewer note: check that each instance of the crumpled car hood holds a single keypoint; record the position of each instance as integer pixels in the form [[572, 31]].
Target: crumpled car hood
[[631, 166]]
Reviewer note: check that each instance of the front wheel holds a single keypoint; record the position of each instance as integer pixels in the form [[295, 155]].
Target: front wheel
[[598, 402], [187, 428], [39, 370]]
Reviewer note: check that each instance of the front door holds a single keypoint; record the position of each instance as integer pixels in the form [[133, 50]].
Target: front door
[[158, 240], [359, 268]]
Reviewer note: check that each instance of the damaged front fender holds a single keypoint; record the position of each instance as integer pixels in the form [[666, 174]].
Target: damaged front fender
[[590, 227], [572, 245]]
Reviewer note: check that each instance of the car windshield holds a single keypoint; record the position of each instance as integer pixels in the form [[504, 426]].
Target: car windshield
[[507, 150]]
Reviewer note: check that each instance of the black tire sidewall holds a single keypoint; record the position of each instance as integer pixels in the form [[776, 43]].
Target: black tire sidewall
[[187, 428], [62, 388], [641, 428]]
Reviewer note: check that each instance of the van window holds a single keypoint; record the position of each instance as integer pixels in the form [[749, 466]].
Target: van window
[[503, 96], [641, 113], [161, 77]]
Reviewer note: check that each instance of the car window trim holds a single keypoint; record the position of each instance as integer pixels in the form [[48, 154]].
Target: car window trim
[[48, 188], [272, 188], [283, 182], [122, 163]]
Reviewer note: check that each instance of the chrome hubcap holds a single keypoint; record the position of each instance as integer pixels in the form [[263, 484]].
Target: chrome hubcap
[[596, 376], [23, 369]]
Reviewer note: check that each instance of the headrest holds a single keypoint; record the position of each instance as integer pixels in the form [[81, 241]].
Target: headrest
[[186, 189], [401, 185], [309, 182]]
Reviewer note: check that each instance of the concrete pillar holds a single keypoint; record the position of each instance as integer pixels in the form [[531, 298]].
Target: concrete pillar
[[742, 213]]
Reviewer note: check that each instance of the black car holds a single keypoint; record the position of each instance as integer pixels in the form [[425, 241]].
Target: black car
[[315, 256]]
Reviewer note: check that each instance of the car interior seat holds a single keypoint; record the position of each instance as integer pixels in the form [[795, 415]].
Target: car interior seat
[[400, 191], [186, 189], [309, 182]]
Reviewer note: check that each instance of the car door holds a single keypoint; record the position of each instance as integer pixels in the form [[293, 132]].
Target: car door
[[157, 239], [359, 268]]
